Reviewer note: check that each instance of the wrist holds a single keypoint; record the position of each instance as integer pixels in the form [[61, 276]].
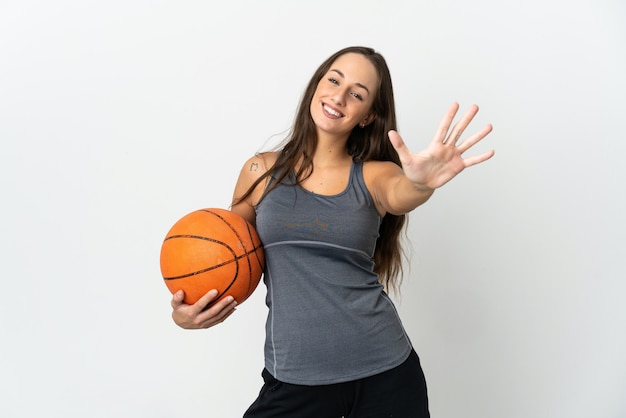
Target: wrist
[[422, 187]]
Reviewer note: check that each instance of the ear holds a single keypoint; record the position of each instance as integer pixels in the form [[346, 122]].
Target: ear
[[367, 120]]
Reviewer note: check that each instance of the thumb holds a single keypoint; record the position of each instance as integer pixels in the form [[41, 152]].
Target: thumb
[[398, 143]]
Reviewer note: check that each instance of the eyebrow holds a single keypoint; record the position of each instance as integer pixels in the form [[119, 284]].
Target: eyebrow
[[357, 84]]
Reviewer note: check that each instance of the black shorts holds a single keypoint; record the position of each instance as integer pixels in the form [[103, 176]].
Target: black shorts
[[398, 393]]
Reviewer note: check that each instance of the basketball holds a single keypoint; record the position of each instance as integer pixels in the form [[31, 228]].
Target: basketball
[[212, 249]]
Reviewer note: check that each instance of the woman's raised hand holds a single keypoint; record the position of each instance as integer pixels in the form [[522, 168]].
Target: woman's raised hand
[[443, 159]]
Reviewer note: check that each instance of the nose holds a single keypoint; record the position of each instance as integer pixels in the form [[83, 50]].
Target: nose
[[339, 96]]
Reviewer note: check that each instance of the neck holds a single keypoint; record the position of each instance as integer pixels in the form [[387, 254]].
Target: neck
[[330, 150]]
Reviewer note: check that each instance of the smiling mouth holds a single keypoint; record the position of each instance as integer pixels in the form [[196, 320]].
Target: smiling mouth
[[331, 112]]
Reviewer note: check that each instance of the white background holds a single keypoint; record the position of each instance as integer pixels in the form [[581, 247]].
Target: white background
[[119, 117]]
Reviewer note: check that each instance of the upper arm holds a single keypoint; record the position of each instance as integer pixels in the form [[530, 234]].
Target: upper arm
[[381, 178], [251, 171]]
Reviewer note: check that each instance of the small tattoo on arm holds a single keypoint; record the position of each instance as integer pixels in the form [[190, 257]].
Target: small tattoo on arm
[[254, 167]]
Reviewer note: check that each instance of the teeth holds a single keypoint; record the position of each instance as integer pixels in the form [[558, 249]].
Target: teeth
[[332, 111]]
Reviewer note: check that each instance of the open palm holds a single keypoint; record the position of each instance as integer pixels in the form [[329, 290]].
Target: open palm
[[443, 159]]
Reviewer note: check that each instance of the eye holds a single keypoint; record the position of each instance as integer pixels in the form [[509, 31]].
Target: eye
[[332, 80], [357, 96]]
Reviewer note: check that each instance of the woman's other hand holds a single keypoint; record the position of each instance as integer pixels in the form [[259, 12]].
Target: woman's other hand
[[197, 316]]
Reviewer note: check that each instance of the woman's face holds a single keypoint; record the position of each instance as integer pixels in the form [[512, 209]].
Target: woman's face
[[344, 95]]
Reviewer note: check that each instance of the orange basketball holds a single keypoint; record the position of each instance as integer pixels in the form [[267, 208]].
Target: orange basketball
[[212, 249]]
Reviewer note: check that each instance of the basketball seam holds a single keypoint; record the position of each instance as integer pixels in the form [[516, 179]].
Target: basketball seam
[[237, 258]]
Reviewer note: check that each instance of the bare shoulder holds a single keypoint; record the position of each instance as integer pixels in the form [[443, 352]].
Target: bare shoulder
[[258, 164], [244, 197], [375, 172]]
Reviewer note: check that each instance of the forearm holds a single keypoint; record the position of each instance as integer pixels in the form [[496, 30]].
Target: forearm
[[405, 196]]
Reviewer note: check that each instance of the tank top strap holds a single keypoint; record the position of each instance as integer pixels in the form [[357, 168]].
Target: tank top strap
[[356, 173]]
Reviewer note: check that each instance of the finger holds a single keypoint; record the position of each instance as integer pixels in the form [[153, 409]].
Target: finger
[[222, 317], [478, 159], [219, 311], [398, 143], [205, 300], [461, 125], [474, 139], [177, 299], [444, 125]]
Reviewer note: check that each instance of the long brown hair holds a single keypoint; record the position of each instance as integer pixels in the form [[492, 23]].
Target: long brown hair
[[364, 144]]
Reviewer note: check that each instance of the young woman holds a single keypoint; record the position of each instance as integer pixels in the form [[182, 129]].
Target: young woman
[[330, 206]]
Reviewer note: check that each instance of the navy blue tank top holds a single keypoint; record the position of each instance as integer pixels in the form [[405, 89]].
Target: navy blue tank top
[[329, 318]]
